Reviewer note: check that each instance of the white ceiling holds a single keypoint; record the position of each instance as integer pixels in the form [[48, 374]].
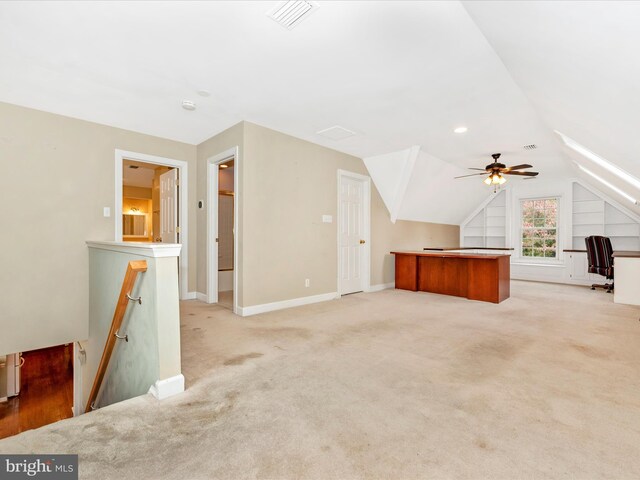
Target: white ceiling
[[138, 177], [396, 73]]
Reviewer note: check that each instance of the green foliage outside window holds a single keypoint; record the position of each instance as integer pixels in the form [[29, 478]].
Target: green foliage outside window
[[540, 228]]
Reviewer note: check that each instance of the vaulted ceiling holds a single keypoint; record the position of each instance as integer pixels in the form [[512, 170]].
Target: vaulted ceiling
[[396, 73]]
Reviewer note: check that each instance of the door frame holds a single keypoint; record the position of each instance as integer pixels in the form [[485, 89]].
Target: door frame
[[183, 178], [212, 206], [366, 213]]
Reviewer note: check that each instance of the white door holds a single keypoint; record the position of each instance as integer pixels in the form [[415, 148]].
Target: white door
[[169, 206], [351, 235]]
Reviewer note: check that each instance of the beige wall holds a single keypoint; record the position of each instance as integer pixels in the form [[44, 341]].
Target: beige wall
[[230, 138], [288, 184], [58, 174]]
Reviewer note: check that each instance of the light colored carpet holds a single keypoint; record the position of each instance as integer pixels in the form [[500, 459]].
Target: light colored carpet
[[391, 384], [225, 299]]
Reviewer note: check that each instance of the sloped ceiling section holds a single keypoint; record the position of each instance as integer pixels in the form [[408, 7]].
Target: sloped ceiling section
[[397, 73], [391, 174], [433, 195], [577, 63]]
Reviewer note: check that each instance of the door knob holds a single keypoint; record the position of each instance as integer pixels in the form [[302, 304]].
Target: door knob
[[362, 242]]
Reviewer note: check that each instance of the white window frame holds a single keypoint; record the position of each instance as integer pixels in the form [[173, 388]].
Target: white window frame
[[540, 260]]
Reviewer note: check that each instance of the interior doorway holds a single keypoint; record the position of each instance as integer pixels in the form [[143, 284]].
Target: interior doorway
[[226, 207], [354, 251], [222, 229], [151, 204]]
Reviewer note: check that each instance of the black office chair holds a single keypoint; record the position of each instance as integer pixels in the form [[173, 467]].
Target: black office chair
[[600, 258]]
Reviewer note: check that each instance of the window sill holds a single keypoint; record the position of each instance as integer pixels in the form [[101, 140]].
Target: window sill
[[519, 261]]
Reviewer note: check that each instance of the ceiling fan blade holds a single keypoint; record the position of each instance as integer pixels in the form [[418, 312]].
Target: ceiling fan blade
[[516, 167], [524, 174], [472, 175], [483, 169]]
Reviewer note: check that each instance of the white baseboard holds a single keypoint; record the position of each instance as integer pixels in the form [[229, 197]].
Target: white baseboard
[[381, 286], [202, 297], [168, 387], [189, 296], [294, 302]]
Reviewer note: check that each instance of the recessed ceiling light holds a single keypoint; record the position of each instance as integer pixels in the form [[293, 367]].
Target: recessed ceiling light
[[224, 165], [188, 105], [461, 130], [204, 93]]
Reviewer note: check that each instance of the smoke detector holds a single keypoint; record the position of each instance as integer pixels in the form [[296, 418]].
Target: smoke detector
[[188, 105], [289, 14]]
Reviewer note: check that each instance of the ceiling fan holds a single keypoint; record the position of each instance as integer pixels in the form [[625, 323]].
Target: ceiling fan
[[496, 170]]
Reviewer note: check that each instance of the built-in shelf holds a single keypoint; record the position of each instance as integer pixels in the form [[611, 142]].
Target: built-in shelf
[[594, 216], [487, 228]]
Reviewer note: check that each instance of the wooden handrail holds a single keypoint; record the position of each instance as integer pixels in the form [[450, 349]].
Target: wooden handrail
[[134, 267]]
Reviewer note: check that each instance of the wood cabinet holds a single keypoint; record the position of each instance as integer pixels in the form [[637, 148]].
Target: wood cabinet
[[483, 277]]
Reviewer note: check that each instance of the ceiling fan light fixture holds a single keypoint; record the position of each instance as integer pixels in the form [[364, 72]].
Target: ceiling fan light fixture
[[495, 179]]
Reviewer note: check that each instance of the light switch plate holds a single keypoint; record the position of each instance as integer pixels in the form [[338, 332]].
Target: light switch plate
[[327, 219], [106, 211]]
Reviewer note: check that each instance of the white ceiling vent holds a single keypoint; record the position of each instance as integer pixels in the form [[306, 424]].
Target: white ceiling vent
[[290, 14], [530, 147], [336, 133]]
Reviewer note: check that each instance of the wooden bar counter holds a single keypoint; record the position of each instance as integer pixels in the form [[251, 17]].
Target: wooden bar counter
[[476, 276]]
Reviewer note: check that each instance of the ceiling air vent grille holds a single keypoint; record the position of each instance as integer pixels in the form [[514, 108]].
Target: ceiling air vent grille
[[290, 14], [336, 133], [530, 147]]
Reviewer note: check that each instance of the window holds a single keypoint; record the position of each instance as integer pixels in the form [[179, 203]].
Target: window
[[539, 228]]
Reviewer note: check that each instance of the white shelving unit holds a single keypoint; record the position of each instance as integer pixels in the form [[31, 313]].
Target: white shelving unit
[[594, 216], [487, 227]]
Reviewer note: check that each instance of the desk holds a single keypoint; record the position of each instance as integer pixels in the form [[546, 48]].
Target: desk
[[476, 276], [626, 271]]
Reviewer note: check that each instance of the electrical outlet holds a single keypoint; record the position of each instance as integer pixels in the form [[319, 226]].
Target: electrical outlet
[[307, 282]]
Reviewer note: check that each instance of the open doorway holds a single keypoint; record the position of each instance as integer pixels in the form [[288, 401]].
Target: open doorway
[[226, 207], [222, 229], [151, 204]]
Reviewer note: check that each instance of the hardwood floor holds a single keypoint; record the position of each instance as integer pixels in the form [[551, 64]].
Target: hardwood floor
[[47, 391]]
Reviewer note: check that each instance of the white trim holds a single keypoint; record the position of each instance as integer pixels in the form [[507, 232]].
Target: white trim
[[381, 286], [144, 249], [189, 296], [183, 174], [366, 264], [212, 206], [294, 302], [168, 387], [202, 297], [79, 360]]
